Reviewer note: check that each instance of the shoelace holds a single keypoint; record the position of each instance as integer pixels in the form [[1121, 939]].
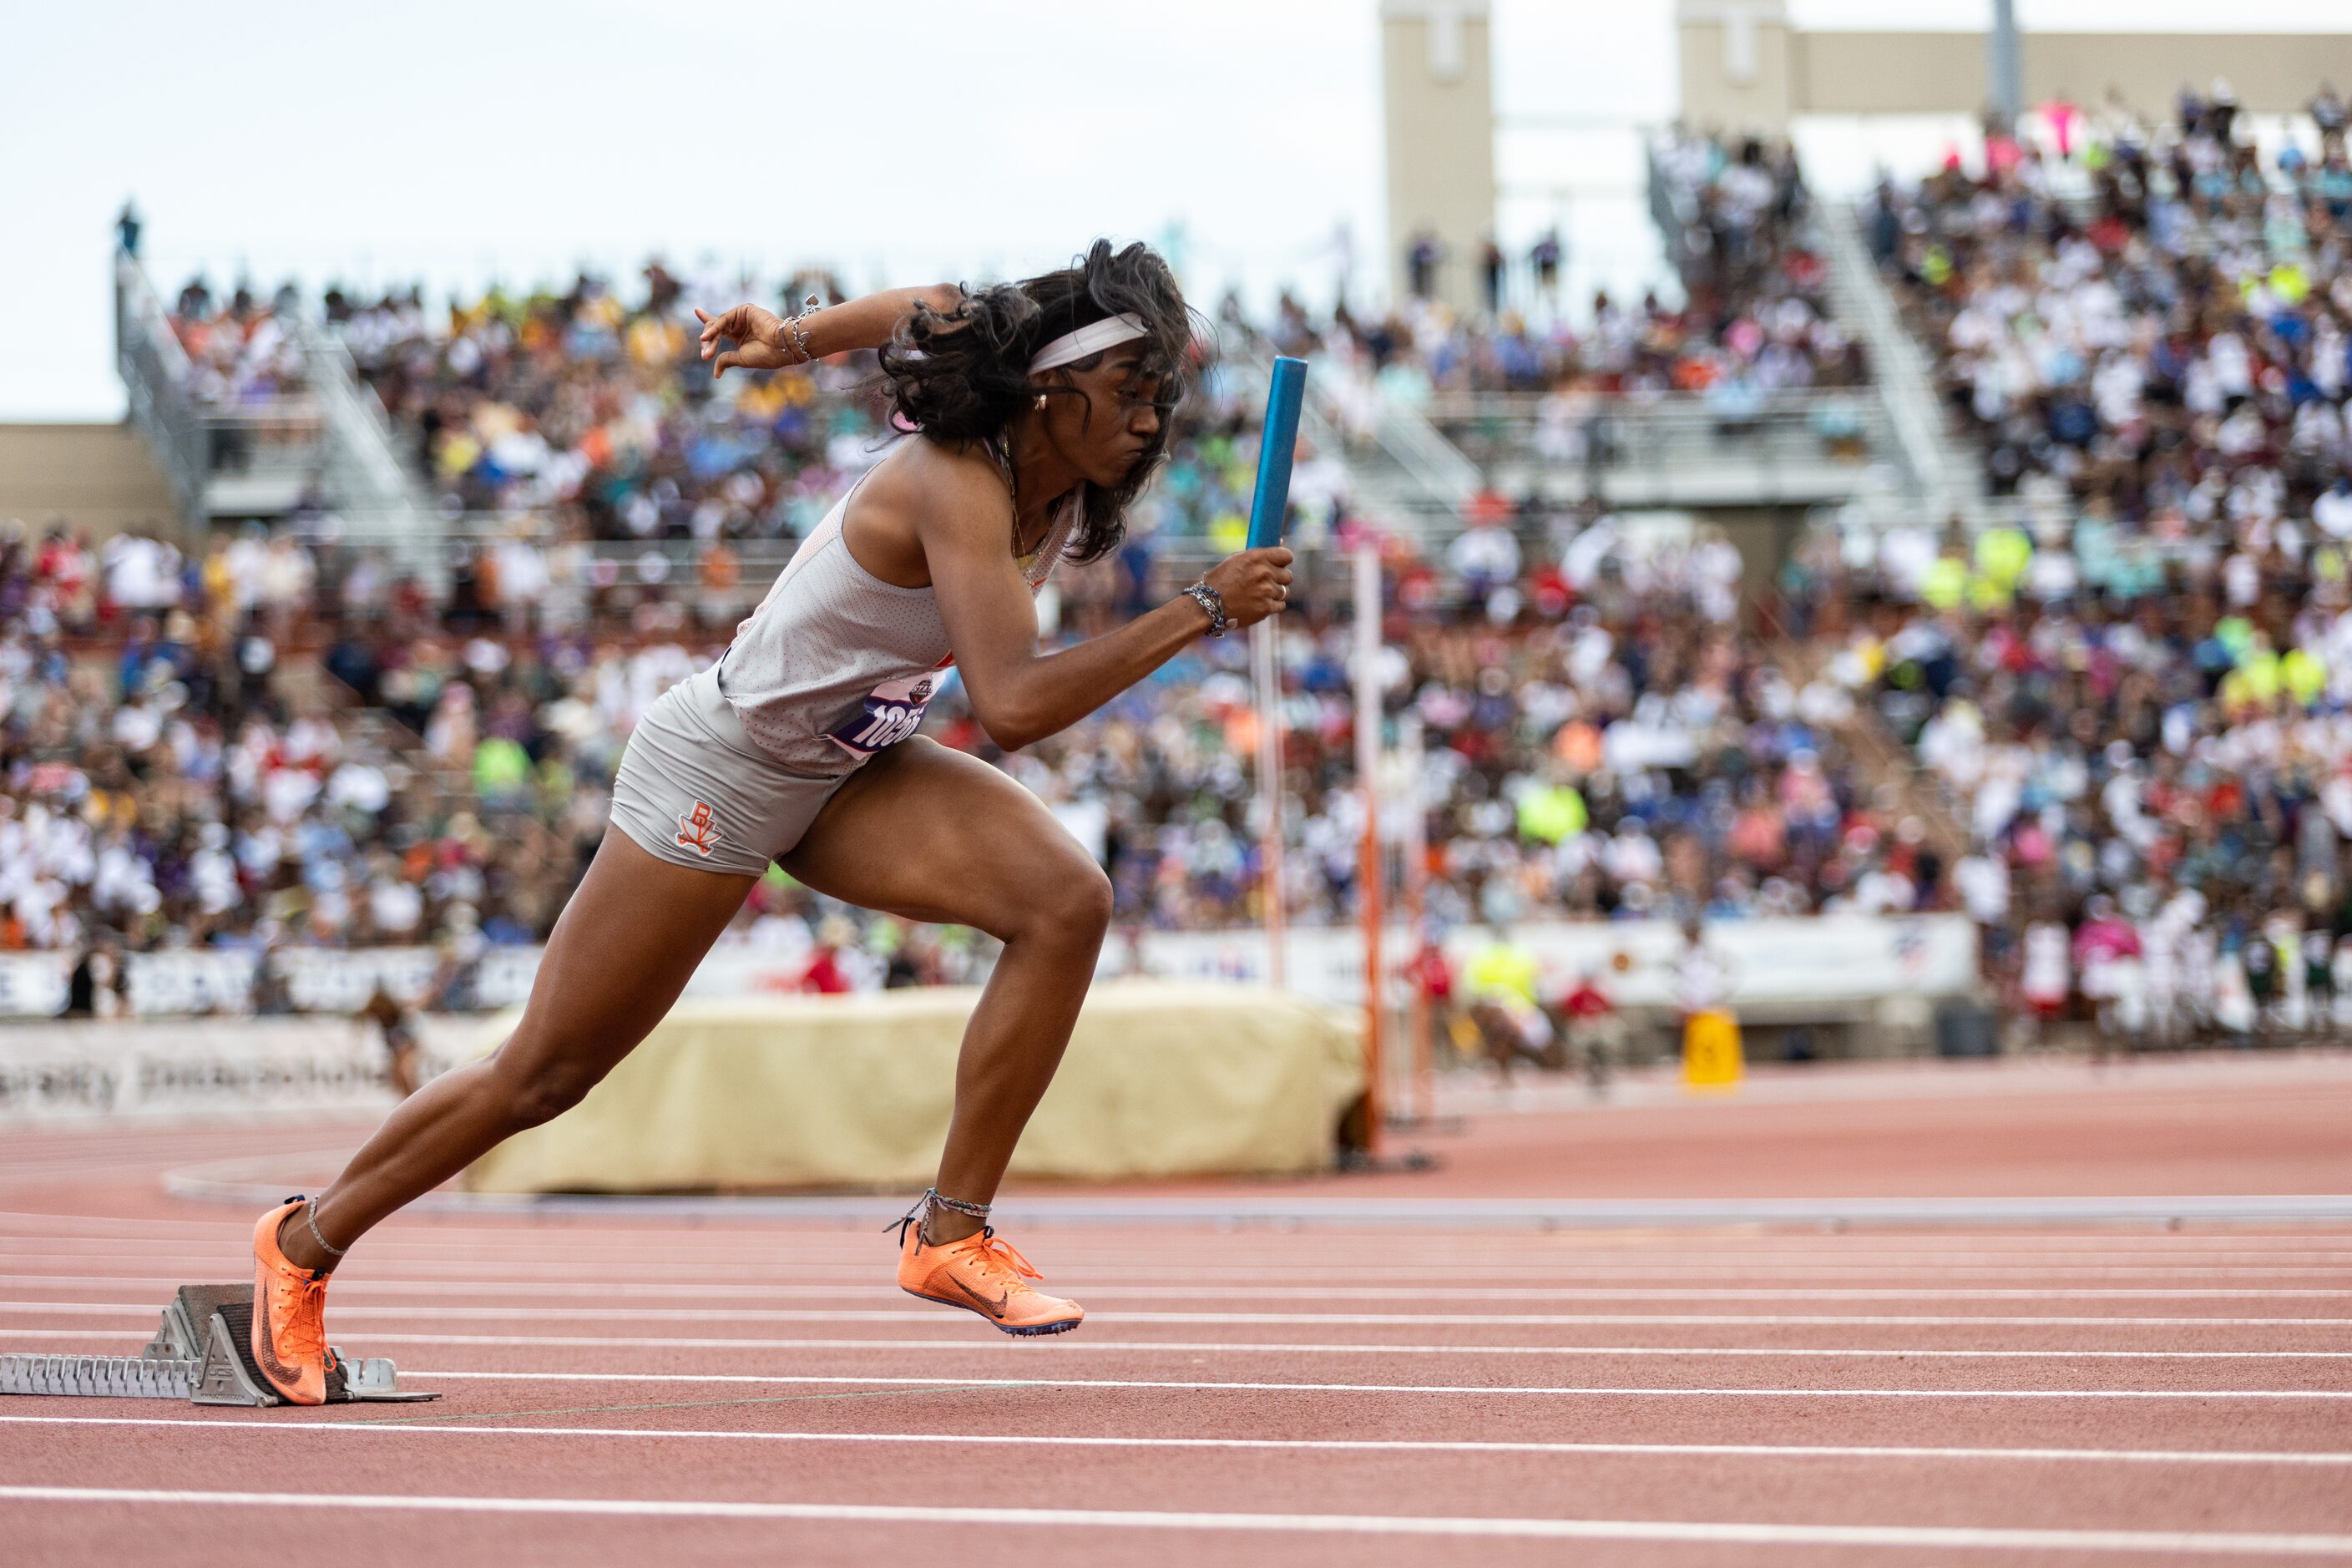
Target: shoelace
[[999, 1258], [303, 1329]]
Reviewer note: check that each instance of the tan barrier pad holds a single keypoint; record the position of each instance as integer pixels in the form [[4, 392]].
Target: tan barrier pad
[[1162, 1078]]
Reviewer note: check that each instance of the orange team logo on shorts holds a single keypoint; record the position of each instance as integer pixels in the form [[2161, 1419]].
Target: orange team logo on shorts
[[698, 830]]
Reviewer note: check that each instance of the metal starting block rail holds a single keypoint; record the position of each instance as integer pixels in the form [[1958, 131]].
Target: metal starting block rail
[[202, 1351]]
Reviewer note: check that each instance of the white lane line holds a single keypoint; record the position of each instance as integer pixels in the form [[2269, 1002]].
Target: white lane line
[[525, 1228], [572, 1268], [1891, 1537], [563, 1241], [1266, 1445], [168, 1282], [761, 1253], [1276, 1347], [1197, 1385], [414, 1228], [138, 1310], [141, 1310], [1094, 1286]]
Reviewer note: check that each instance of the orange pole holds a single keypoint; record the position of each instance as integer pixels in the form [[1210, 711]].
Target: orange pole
[[1375, 1088], [1416, 886]]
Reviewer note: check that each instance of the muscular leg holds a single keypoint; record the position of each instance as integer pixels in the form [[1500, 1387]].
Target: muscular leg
[[929, 834], [618, 957]]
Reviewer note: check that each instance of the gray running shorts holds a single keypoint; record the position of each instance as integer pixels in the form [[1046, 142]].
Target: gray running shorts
[[693, 789]]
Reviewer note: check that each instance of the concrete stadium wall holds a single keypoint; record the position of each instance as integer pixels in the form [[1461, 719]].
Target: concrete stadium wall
[[1754, 72], [1438, 102], [98, 477]]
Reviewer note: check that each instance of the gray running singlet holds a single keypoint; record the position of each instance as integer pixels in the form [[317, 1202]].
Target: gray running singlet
[[836, 664]]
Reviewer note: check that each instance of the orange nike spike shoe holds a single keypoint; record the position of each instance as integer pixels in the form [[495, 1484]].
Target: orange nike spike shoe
[[982, 1273], [289, 1316]]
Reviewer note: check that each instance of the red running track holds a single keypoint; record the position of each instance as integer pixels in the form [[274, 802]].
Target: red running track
[[623, 1389]]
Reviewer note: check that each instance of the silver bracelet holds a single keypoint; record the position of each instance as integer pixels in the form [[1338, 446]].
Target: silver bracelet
[[793, 328], [1209, 599], [310, 1213]]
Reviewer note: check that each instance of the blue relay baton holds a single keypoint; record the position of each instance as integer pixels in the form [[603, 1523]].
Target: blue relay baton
[[1286, 389]]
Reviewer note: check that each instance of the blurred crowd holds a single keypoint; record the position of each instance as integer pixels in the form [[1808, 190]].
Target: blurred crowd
[[1612, 747], [1755, 316], [2133, 688], [289, 739], [239, 348], [1754, 319], [2154, 328], [219, 749], [586, 415], [174, 780], [2112, 727]]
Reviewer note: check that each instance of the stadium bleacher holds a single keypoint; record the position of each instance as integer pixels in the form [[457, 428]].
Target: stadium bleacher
[[2121, 699]]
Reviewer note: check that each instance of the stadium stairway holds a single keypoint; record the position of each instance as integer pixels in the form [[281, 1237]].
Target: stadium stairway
[[372, 735], [1889, 770], [1404, 477], [1946, 473], [329, 441], [378, 494]]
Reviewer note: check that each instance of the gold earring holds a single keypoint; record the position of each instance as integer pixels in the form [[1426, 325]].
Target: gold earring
[[1041, 402]]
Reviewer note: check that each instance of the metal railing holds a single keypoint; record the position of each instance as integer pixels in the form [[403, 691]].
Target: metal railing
[[255, 457], [670, 568], [1405, 474], [370, 485], [1685, 450], [1947, 480], [1920, 471], [155, 371]]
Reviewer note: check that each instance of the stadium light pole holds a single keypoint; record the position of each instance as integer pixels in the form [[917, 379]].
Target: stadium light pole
[[2006, 66], [1369, 878], [1266, 676]]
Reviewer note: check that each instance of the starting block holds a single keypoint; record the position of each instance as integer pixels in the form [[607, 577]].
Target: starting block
[[203, 1352]]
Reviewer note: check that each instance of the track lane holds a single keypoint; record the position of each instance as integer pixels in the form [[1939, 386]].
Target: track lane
[[2164, 1363], [1774, 1490]]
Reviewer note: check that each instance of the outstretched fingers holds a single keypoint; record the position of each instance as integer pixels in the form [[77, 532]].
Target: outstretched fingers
[[714, 331]]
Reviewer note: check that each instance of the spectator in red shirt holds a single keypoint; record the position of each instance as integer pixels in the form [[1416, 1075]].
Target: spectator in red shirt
[[1596, 1034]]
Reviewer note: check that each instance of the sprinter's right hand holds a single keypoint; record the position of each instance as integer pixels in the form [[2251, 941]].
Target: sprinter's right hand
[[1253, 584]]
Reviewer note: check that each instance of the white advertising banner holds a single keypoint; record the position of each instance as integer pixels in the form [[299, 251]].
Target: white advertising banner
[[1838, 963], [205, 1066], [33, 985], [198, 982]]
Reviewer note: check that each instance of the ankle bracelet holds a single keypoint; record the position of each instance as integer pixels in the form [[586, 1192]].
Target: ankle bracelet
[[310, 1217], [936, 1199]]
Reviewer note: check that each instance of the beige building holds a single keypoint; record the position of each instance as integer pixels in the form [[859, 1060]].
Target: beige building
[[1745, 65], [100, 478], [1438, 102]]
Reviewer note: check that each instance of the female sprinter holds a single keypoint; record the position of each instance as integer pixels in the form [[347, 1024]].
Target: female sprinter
[[1040, 410]]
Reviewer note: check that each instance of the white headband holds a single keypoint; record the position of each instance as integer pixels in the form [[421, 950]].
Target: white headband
[[1092, 338]]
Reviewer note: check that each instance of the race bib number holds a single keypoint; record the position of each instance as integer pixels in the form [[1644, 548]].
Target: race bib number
[[891, 711]]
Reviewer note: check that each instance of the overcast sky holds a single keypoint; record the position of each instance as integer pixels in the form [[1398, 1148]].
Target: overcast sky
[[896, 140]]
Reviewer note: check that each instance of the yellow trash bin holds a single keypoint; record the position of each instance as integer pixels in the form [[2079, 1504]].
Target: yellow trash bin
[[1711, 1056]]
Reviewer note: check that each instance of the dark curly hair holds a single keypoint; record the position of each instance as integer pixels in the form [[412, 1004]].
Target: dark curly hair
[[964, 374]]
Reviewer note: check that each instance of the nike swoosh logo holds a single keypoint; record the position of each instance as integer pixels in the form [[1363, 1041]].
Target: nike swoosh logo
[[993, 1308], [265, 1352]]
